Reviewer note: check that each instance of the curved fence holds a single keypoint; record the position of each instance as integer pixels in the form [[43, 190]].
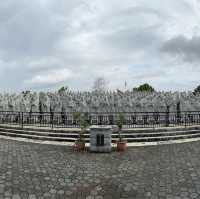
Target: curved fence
[[132, 119]]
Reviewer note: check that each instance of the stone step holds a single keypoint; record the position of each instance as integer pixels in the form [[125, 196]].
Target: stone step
[[131, 135], [166, 138], [161, 130], [159, 134], [39, 133], [114, 135], [75, 130], [40, 129], [42, 138], [129, 139]]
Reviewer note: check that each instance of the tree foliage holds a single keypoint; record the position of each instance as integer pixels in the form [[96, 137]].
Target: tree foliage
[[82, 118], [121, 120], [63, 89], [144, 88], [25, 93], [197, 90]]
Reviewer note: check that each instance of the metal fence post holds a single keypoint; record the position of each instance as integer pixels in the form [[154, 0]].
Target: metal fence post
[[167, 117], [185, 120], [153, 123], [22, 123], [52, 117], [19, 118], [133, 120]]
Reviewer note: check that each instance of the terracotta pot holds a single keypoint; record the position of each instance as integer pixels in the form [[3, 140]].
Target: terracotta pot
[[80, 146], [121, 145]]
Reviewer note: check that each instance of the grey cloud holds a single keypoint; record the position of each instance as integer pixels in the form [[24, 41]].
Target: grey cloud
[[29, 29], [131, 39], [150, 75], [187, 49], [137, 11], [118, 40]]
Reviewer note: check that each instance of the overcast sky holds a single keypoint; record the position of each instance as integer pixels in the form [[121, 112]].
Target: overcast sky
[[45, 44]]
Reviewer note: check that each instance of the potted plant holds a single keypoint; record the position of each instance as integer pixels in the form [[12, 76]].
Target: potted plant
[[84, 124], [121, 143]]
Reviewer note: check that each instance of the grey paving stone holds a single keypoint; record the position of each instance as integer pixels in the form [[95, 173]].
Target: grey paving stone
[[32, 196], [16, 196], [36, 171]]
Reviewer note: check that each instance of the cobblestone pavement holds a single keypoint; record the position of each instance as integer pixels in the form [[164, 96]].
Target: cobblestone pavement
[[34, 171]]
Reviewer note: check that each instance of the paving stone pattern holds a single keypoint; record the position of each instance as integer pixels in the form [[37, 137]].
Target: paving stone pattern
[[35, 171]]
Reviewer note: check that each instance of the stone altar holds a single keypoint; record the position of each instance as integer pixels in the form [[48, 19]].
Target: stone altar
[[100, 139]]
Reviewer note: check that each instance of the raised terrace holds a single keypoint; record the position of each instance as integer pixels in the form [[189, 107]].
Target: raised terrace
[[95, 101], [138, 128], [148, 116]]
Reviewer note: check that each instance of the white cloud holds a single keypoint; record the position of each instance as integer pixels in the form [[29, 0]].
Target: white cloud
[[52, 77], [73, 42]]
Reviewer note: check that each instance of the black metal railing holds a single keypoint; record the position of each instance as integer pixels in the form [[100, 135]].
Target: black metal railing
[[132, 119]]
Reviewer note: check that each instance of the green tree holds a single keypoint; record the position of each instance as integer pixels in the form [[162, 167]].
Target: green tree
[[144, 88], [120, 122], [82, 118], [197, 90], [25, 93], [62, 89]]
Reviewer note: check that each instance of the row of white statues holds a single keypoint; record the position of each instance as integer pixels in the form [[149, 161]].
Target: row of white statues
[[115, 101]]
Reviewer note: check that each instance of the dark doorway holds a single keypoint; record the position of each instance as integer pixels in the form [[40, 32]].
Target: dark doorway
[[100, 140]]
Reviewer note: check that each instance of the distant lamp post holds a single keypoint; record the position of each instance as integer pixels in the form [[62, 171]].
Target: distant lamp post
[[125, 85]]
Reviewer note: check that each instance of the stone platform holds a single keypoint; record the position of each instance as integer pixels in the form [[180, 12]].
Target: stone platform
[[34, 171]]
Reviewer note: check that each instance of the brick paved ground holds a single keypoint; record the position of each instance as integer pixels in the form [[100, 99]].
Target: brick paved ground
[[33, 171]]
